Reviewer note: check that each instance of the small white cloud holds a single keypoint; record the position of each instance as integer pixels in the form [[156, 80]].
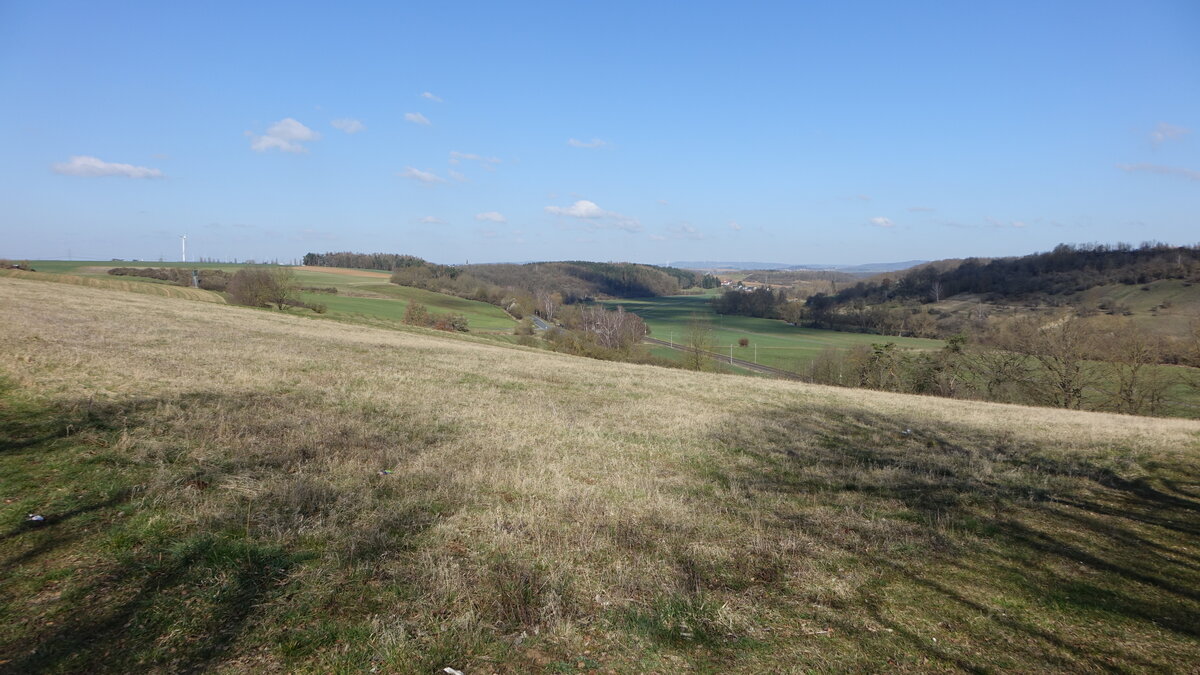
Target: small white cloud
[[598, 217], [594, 143], [1189, 174], [1167, 132], [735, 226], [685, 231], [93, 167], [427, 177], [920, 209], [431, 97], [880, 221], [663, 202], [417, 118], [491, 217], [657, 237], [286, 135], [580, 209], [431, 220], [458, 176], [350, 126], [863, 198], [489, 163]]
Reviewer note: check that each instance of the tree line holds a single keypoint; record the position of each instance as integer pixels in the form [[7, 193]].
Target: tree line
[[385, 262], [1082, 363], [1064, 270]]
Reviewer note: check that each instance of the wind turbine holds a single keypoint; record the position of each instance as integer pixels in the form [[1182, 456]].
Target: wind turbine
[[183, 248]]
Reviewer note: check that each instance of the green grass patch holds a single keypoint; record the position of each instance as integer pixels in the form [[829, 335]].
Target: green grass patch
[[771, 342]]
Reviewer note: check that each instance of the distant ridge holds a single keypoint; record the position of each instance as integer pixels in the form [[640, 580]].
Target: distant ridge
[[869, 268]]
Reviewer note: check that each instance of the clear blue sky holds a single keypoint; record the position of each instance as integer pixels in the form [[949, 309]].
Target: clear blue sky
[[857, 132]]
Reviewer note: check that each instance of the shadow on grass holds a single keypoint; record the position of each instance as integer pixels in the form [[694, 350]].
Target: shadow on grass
[[1030, 555], [109, 583]]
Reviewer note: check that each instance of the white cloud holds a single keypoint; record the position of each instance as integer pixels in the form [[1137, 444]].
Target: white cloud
[[594, 143], [880, 221], [350, 126], [285, 135], [685, 231], [1167, 132], [491, 216], [663, 202], [417, 118], [1189, 174], [580, 209], [431, 220], [458, 176], [488, 163], [921, 209], [87, 166], [657, 237], [863, 198], [431, 97], [735, 226], [427, 177], [598, 217]]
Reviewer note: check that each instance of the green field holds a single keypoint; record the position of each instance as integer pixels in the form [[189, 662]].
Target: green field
[[772, 342], [363, 296]]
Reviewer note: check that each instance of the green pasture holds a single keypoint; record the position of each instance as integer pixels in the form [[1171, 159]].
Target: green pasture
[[360, 299], [772, 342]]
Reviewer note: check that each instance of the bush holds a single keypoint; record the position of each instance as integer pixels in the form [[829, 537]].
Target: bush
[[416, 314], [258, 287]]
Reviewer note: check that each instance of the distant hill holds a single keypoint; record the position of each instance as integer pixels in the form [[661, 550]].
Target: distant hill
[[867, 269], [1092, 278]]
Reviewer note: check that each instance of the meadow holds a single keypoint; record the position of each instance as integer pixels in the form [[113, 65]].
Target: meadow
[[363, 296], [228, 489], [771, 342]]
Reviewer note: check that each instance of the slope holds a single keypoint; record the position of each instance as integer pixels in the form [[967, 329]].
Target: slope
[[229, 489]]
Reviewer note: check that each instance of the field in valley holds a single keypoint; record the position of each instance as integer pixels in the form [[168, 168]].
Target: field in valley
[[771, 342], [229, 489]]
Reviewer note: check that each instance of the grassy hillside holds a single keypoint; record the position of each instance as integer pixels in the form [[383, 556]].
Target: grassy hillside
[[368, 295], [779, 345], [363, 296], [210, 478], [147, 287]]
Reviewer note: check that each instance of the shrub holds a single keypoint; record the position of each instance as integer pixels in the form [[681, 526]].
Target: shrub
[[416, 314]]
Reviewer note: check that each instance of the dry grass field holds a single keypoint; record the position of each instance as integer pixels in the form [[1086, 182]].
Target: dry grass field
[[229, 490]]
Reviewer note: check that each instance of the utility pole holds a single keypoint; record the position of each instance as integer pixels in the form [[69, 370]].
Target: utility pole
[[731, 353], [756, 353]]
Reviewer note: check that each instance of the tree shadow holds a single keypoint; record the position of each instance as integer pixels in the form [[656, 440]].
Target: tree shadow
[[1081, 550], [180, 599]]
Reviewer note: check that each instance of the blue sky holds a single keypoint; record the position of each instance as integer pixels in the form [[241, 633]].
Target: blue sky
[[855, 132]]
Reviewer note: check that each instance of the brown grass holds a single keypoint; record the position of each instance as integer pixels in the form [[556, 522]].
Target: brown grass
[[161, 290], [546, 512]]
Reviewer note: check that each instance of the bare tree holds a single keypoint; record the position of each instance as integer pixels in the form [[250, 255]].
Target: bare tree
[[698, 342], [547, 303], [1136, 384], [1061, 349], [613, 329]]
